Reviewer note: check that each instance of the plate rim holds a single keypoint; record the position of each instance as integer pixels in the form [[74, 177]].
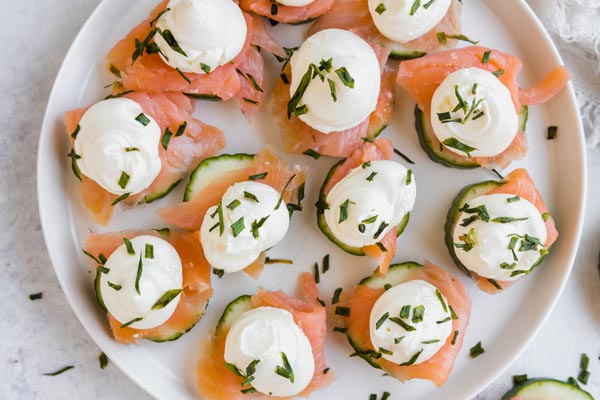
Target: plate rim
[[516, 352]]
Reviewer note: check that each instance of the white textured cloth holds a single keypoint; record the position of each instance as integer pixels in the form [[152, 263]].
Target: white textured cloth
[[573, 25]]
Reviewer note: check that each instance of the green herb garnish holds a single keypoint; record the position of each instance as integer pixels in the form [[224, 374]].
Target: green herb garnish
[[381, 320], [415, 6], [74, 157], [165, 299], [441, 299], [409, 177], [380, 9], [237, 227], [258, 177], [344, 211], [454, 336], [486, 57], [123, 180], [60, 371], [312, 153], [431, 341], [247, 100], [380, 230], [181, 129], [371, 176], [35, 296], [405, 311], [443, 36], [418, 313], [129, 247], [412, 360], [133, 321], [114, 286], [142, 119], [166, 139], [138, 275], [234, 204], [218, 272], [292, 105], [498, 73], [256, 225], [519, 379], [345, 77], [506, 220], [286, 370], [552, 131], [458, 145], [477, 350], [495, 284], [336, 296], [103, 360], [407, 327], [513, 199], [343, 311], [130, 149]]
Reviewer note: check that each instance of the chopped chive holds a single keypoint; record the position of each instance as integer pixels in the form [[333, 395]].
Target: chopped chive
[[452, 312], [114, 286], [404, 157], [386, 351], [218, 272], [312, 153], [340, 329], [498, 73], [76, 131], [129, 247], [74, 157], [431, 341], [250, 101], [344, 211], [412, 360], [103, 360], [258, 177], [441, 299], [486, 57], [476, 350], [584, 362], [166, 139], [398, 339], [332, 89], [103, 270], [381, 247], [407, 327], [205, 68], [386, 395], [221, 218], [519, 379], [461, 102], [380, 230], [405, 311], [583, 377], [381, 320], [256, 225], [185, 78], [130, 149], [133, 321], [325, 263], [458, 145], [237, 227], [478, 114], [233, 205], [545, 216], [247, 380], [286, 370], [316, 273], [552, 131], [138, 275], [321, 302], [166, 298], [181, 129], [250, 196], [280, 200], [60, 371], [415, 6], [505, 265], [343, 311], [171, 41], [160, 14], [326, 370], [284, 78], [278, 261], [140, 46], [250, 389], [142, 119], [336, 296], [474, 88], [292, 105], [409, 177], [303, 109], [454, 336], [345, 77], [123, 180], [372, 396], [114, 70], [274, 9], [370, 177], [513, 199], [506, 220], [443, 36], [35, 296], [380, 9], [495, 284], [418, 313], [443, 321]]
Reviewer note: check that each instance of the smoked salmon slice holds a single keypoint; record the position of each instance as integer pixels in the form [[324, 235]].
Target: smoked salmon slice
[[298, 137], [354, 15], [421, 77], [197, 288], [287, 14], [216, 382], [519, 183], [380, 149], [361, 299], [149, 73], [184, 152]]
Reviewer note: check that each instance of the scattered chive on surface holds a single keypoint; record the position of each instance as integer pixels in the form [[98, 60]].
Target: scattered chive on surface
[[60, 371], [552, 132], [519, 378], [103, 360], [35, 296], [476, 350]]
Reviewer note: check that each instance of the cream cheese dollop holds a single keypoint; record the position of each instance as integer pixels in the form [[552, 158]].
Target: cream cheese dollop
[[210, 33], [485, 247], [255, 218], [426, 322], [354, 101], [369, 201], [393, 18], [160, 273], [118, 146], [267, 334], [488, 122]]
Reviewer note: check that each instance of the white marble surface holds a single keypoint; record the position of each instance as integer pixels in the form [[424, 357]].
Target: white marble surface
[[44, 335]]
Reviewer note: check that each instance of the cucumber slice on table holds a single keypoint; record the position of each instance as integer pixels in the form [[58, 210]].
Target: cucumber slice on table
[[322, 223], [398, 273], [442, 155], [212, 168], [547, 389], [233, 311]]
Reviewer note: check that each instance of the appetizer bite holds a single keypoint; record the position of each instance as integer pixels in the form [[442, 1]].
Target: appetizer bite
[[408, 28], [268, 344], [365, 202], [293, 12], [203, 48], [334, 93], [499, 231], [135, 149], [470, 110], [242, 205], [410, 323], [152, 284], [547, 389]]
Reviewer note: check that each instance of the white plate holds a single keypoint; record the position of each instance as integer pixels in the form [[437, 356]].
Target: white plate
[[505, 323]]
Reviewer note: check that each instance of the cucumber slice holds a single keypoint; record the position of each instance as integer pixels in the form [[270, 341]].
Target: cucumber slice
[[431, 144], [465, 195], [398, 273], [547, 389], [212, 168], [159, 195], [99, 299], [322, 223], [233, 311], [165, 334]]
